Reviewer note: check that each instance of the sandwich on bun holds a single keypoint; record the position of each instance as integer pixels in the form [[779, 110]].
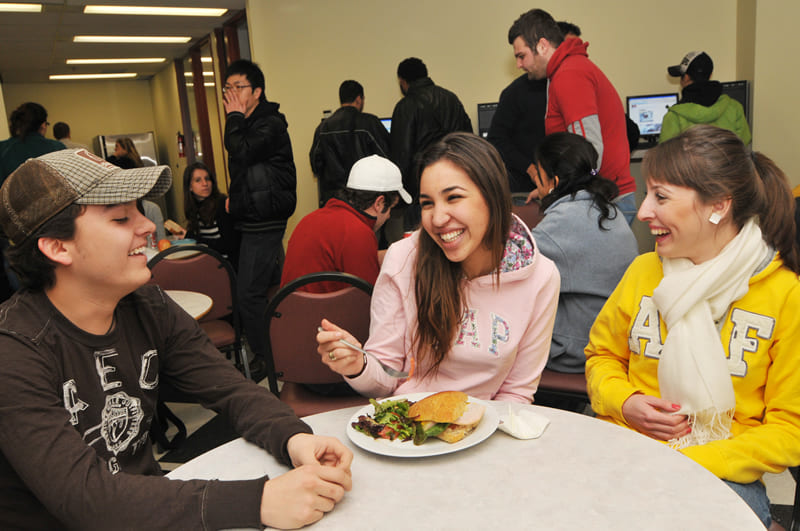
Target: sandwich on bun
[[446, 415]]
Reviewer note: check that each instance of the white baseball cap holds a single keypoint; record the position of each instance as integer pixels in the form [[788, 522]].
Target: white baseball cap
[[377, 174]]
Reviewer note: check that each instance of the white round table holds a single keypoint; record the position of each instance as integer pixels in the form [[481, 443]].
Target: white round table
[[582, 473], [194, 303]]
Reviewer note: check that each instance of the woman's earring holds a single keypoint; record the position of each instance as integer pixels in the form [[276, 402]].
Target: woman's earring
[[715, 218]]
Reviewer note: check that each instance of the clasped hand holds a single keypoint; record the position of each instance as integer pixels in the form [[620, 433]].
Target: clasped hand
[[319, 480], [655, 417]]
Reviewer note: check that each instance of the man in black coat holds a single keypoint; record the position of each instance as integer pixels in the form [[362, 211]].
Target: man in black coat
[[345, 137], [426, 113], [262, 193]]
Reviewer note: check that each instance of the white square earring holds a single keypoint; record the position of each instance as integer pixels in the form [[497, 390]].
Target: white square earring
[[715, 218]]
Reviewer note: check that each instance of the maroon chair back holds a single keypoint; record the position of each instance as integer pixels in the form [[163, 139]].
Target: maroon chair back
[[292, 320], [571, 385], [210, 273], [293, 331], [530, 214], [203, 273]]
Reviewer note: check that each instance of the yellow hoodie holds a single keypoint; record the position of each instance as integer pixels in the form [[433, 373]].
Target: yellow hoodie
[[761, 337]]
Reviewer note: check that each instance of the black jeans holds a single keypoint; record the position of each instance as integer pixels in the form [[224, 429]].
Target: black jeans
[[260, 257]]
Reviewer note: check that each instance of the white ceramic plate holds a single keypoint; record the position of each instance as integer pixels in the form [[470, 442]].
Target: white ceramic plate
[[432, 446]]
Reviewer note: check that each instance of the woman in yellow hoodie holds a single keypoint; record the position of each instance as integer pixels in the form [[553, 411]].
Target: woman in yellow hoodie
[[697, 344]]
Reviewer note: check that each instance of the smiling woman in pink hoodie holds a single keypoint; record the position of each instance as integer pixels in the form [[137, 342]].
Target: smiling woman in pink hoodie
[[469, 299]]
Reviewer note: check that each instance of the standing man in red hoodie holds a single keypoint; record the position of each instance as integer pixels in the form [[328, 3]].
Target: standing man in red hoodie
[[580, 98]]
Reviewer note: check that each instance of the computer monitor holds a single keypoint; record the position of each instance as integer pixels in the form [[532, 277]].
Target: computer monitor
[[648, 112], [485, 115], [740, 91], [387, 123]]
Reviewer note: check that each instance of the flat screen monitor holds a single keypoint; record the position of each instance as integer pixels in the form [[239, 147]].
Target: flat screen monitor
[[648, 112], [387, 123], [740, 91], [485, 115]]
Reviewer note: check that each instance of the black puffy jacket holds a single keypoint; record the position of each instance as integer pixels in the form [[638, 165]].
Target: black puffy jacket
[[426, 114], [263, 177], [342, 139]]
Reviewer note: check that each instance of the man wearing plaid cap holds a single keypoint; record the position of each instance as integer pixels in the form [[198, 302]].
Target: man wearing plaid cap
[[83, 347]]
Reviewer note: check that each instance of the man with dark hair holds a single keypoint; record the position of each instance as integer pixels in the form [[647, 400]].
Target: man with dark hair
[[61, 133], [581, 99], [346, 136], [262, 193], [84, 347], [425, 114], [341, 235], [702, 101], [569, 29]]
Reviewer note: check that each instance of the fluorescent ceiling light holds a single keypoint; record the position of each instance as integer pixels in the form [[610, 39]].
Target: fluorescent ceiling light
[[21, 8], [206, 59], [206, 84], [138, 39], [189, 74], [145, 10], [57, 77], [132, 60]]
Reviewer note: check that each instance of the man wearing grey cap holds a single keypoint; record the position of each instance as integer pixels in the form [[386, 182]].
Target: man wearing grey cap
[[341, 235], [83, 347], [702, 101]]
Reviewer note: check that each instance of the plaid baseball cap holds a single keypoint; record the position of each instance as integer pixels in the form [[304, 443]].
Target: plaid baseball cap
[[42, 187], [377, 174]]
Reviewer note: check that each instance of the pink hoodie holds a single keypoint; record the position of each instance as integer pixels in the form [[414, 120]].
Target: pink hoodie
[[504, 339]]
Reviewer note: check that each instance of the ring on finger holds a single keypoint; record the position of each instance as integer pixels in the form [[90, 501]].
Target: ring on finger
[[331, 356]]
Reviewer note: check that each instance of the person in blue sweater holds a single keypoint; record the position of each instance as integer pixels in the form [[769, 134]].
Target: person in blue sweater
[[586, 236]]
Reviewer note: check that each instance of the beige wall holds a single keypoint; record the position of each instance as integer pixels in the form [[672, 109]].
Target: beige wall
[[745, 39], [463, 43], [776, 112], [90, 108], [167, 122]]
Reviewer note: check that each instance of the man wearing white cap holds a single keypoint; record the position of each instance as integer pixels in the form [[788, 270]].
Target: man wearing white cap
[[83, 347], [341, 235], [702, 101]]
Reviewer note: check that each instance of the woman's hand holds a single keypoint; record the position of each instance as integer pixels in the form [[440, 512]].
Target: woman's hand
[[339, 357], [655, 417]]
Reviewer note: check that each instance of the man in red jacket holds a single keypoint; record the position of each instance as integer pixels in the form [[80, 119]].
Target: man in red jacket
[[580, 97], [341, 235]]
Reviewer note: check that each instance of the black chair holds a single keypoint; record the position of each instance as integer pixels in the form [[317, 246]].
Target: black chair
[[292, 318]]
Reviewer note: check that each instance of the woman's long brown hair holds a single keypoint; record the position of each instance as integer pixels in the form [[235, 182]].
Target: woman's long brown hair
[[438, 284]]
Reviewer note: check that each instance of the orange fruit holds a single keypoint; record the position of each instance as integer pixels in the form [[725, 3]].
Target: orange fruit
[[164, 244]]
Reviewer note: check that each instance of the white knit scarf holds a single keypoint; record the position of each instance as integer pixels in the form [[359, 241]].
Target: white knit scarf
[[693, 370]]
